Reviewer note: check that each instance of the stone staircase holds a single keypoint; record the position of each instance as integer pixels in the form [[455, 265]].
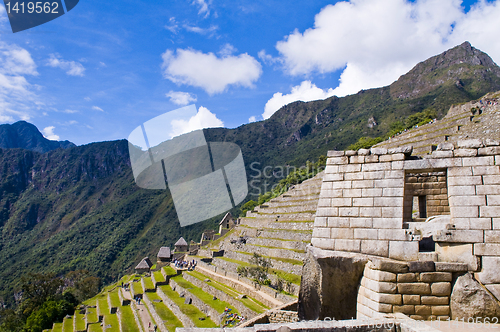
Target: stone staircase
[[475, 119]]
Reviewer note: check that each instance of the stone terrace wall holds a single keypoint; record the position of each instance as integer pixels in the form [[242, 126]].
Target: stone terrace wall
[[362, 204]]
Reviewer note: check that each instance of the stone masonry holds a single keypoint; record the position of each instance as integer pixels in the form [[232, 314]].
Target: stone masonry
[[440, 209]]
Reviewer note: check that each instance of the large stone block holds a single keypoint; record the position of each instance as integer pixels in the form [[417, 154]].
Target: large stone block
[[441, 288], [460, 171], [457, 253], [411, 299], [488, 151], [389, 183], [391, 234], [470, 144], [465, 153], [435, 300], [402, 250], [416, 288], [379, 286], [342, 233], [378, 275], [351, 192], [373, 212], [366, 201], [327, 212], [319, 232], [490, 189], [338, 222], [323, 243], [392, 212], [470, 300], [329, 177], [464, 180], [362, 184], [357, 159], [451, 267], [492, 236], [388, 201], [388, 265], [331, 169], [320, 222], [374, 247], [407, 277], [461, 190], [350, 168], [348, 211], [360, 222], [464, 211], [376, 167], [348, 245], [319, 297], [486, 170], [489, 211], [493, 200], [487, 249], [337, 202], [371, 192], [435, 276], [337, 160], [467, 200], [393, 192], [373, 175], [334, 153], [389, 223], [421, 266], [478, 161], [366, 234], [489, 270]]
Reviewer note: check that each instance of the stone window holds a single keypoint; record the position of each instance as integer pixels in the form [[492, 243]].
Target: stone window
[[425, 195]]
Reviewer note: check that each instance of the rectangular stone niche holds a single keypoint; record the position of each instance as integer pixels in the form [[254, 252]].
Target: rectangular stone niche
[[425, 195]]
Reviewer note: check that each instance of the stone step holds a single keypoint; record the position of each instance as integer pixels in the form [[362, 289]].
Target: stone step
[[275, 261], [289, 216], [278, 234], [278, 243], [287, 208], [296, 254], [279, 202], [272, 223]]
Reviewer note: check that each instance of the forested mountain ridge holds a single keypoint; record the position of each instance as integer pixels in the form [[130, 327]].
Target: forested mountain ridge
[[79, 208]]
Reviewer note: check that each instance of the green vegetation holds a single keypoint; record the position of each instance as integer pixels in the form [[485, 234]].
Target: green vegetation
[[257, 270], [115, 300], [167, 316], [79, 321], [189, 310], [414, 120], [217, 304], [158, 276], [148, 283], [136, 287], [128, 323], [170, 271], [248, 302]]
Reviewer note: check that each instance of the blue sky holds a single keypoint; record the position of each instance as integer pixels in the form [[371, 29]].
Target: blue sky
[[102, 69]]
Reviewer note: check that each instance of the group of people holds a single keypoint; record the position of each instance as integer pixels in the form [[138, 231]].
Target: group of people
[[179, 264], [137, 299], [231, 318]]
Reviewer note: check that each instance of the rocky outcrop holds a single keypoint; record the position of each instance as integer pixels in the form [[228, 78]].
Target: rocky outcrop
[[330, 282], [470, 299]]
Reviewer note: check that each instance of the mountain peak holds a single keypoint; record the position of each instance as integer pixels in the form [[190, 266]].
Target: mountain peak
[[25, 135], [459, 65]]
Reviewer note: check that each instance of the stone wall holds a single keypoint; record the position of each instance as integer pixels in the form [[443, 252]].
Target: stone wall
[[369, 198]]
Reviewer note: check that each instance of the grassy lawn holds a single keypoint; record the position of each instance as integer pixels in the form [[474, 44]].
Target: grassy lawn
[[136, 287], [170, 271], [218, 305], [148, 283], [103, 304], [248, 302], [300, 251], [80, 321], [188, 309], [216, 242], [128, 322], [112, 319], [293, 278], [158, 276], [92, 315], [168, 317], [115, 299], [94, 328], [57, 327], [67, 324]]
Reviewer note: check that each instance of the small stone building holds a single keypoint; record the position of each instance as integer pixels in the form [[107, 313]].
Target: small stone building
[[164, 254], [413, 233], [226, 224], [207, 236], [181, 245], [144, 265]]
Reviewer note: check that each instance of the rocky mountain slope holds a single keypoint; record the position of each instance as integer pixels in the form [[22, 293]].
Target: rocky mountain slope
[[79, 207], [24, 135]]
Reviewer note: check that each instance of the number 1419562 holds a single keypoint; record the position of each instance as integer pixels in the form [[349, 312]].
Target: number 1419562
[[32, 7]]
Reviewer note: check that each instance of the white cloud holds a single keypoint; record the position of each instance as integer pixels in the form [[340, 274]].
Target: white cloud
[[306, 91], [97, 108], [71, 67], [227, 50], [48, 132], [203, 119], [18, 100], [209, 72], [376, 41], [204, 10], [87, 99], [70, 111], [267, 58], [252, 119], [173, 27], [181, 98], [201, 31]]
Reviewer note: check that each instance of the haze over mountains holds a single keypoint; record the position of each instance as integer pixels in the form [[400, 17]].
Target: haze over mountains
[[79, 208]]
